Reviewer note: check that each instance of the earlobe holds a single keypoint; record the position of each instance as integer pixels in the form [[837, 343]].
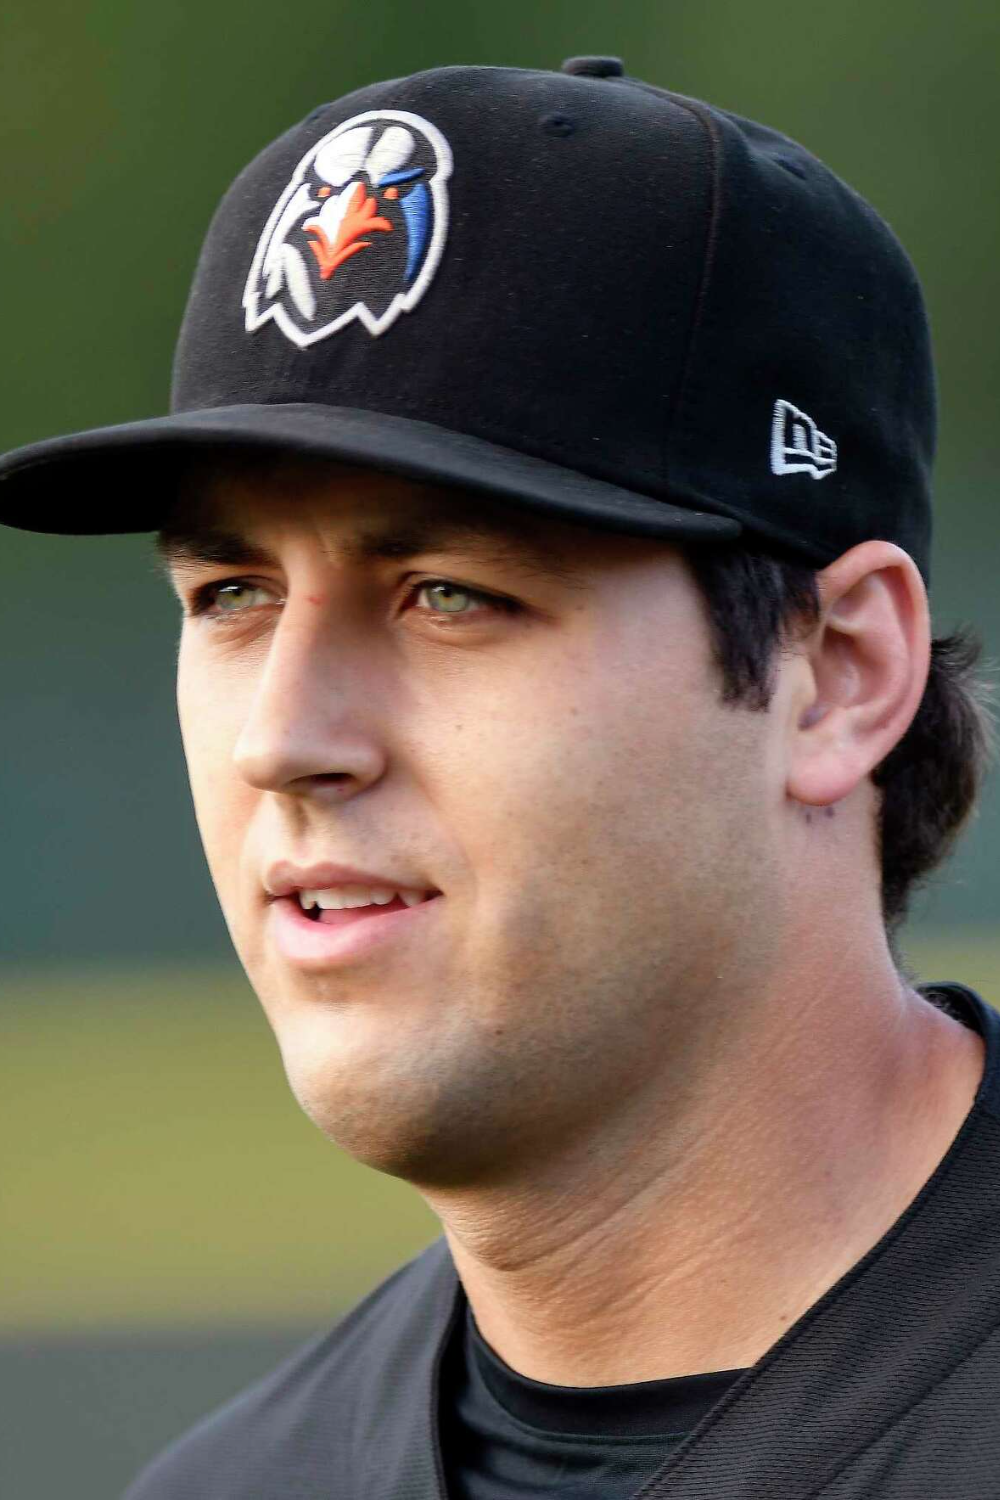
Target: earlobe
[[868, 658]]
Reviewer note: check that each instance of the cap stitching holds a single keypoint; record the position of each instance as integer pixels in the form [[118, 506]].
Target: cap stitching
[[708, 125], [711, 130]]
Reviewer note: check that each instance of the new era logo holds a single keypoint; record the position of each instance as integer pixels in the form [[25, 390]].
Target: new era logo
[[798, 446]]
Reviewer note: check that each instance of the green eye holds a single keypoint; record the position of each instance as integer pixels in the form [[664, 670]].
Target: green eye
[[205, 601], [451, 598], [227, 592], [448, 593]]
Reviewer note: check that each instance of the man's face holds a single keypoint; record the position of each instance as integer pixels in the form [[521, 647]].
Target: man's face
[[599, 825]]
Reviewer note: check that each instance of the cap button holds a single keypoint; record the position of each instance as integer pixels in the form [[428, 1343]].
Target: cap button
[[594, 67]]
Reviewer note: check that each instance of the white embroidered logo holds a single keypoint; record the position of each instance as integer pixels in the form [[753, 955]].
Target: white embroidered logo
[[798, 446], [358, 231]]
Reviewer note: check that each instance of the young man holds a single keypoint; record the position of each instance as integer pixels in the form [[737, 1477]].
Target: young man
[[547, 492]]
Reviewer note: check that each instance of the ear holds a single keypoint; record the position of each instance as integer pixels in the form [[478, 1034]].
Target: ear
[[865, 669]]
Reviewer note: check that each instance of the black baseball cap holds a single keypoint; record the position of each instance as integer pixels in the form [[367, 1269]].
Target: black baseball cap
[[583, 294]]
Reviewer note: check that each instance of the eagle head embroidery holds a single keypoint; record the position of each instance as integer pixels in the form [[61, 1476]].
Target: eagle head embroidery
[[358, 231]]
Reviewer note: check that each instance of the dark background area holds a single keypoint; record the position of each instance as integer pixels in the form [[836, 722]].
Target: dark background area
[[120, 128]]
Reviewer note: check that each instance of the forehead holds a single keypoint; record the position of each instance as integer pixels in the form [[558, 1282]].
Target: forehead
[[226, 509]]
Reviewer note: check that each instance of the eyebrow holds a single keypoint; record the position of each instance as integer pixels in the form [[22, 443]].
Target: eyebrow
[[184, 547]]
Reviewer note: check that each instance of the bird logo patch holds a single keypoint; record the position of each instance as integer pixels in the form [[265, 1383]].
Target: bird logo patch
[[357, 233]]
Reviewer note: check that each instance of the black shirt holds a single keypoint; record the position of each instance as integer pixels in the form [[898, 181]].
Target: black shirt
[[505, 1437], [886, 1388]]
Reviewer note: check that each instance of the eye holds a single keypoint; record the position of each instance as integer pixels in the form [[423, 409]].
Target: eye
[[204, 601], [400, 184], [450, 595], [207, 601]]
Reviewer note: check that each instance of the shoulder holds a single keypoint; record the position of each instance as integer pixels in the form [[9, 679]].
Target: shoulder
[[306, 1417]]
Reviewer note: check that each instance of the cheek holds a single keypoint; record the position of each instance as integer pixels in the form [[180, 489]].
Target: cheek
[[592, 769], [210, 722]]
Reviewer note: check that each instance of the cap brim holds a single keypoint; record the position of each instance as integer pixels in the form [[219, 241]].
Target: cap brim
[[106, 482]]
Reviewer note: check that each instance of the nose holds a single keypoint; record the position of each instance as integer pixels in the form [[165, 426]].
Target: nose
[[313, 723]]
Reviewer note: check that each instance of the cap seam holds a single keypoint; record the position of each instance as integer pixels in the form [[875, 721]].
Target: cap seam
[[710, 129]]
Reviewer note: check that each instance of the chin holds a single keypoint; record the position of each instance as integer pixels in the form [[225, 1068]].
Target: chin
[[411, 1128]]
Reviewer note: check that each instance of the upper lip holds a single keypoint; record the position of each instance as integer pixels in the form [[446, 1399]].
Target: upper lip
[[284, 878]]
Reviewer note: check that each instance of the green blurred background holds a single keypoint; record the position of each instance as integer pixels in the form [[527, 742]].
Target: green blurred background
[[170, 1223]]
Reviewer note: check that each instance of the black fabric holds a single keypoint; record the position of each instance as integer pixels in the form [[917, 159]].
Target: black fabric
[[644, 1409], [887, 1388], [150, 452], [629, 283], [505, 1437]]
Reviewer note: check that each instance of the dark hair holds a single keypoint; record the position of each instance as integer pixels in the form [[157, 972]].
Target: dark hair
[[931, 779]]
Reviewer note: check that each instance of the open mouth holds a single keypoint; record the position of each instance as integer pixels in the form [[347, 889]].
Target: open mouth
[[318, 940], [332, 918], [348, 914]]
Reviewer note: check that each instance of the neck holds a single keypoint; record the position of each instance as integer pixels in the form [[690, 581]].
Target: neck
[[689, 1237]]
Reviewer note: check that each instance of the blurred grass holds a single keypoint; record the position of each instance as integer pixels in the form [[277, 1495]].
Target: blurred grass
[[159, 1172]]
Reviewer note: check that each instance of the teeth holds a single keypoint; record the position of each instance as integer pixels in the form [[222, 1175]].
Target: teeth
[[341, 897]]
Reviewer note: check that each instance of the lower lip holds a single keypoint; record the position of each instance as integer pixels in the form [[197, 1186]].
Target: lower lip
[[356, 933]]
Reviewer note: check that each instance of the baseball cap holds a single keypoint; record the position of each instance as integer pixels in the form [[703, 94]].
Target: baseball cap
[[589, 296]]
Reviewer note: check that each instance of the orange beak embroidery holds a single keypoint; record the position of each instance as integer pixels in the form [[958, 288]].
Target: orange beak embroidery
[[359, 219]]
